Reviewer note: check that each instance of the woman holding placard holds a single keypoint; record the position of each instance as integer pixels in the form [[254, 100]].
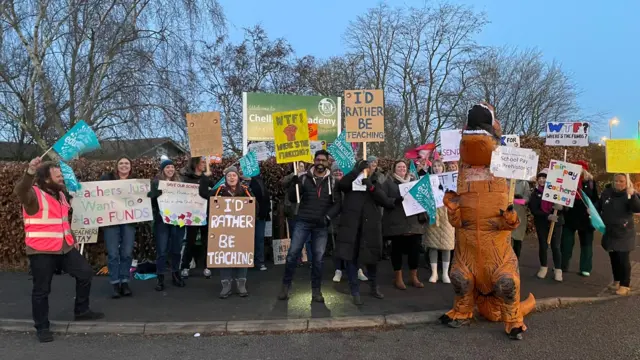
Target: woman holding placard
[[617, 205], [168, 237], [439, 237], [405, 232], [119, 239], [543, 216], [231, 188]]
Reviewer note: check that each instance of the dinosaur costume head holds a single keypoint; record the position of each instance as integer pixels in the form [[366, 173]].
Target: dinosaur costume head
[[480, 137]]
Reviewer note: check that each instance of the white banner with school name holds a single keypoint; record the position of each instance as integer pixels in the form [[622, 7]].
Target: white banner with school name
[[106, 203]]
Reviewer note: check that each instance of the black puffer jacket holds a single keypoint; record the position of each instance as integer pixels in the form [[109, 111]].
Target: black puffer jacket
[[263, 198], [395, 221], [360, 230], [617, 210], [317, 197], [577, 217], [189, 175]]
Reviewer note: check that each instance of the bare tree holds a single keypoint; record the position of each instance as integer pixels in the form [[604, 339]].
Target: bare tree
[[110, 63]]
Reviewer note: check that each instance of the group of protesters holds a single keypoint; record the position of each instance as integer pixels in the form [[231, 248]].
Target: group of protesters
[[320, 200]]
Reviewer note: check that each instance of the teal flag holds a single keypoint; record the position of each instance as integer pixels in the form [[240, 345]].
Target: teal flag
[[343, 153], [77, 141], [422, 192], [70, 180], [412, 169], [220, 182], [249, 165], [594, 216]]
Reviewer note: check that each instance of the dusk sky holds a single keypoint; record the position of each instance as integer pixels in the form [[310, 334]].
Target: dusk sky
[[596, 41]]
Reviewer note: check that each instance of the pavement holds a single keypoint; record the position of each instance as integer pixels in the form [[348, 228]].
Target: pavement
[[197, 307], [606, 330]]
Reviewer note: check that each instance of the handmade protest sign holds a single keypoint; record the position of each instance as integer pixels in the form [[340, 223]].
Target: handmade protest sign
[[281, 249], [85, 236], [249, 165], [364, 115], [449, 180], [562, 183], [106, 203], [343, 153], [70, 180], [510, 140], [623, 156], [231, 232], [450, 144], [567, 134], [79, 140], [514, 163], [205, 134], [422, 192], [261, 150], [291, 135], [181, 204], [410, 205]]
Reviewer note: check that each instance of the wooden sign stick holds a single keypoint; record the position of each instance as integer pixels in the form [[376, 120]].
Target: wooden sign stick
[[364, 158]]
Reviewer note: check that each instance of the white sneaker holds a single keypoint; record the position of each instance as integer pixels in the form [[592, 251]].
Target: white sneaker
[[337, 277], [445, 278], [557, 275], [361, 276], [263, 268], [185, 273], [434, 274], [542, 273], [207, 273]]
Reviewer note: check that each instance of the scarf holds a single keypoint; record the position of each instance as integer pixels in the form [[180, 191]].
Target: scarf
[[546, 206], [404, 180]]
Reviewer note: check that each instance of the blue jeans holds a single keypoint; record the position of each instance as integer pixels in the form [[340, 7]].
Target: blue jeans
[[119, 241], [259, 242], [318, 235], [233, 273], [307, 243], [168, 241]]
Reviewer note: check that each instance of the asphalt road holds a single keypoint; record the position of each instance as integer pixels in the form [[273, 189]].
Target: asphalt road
[[605, 330]]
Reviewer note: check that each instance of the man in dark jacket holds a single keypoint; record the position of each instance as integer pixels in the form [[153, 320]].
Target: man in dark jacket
[[577, 219], [192, 174], [263, 210], [316, 199], [359, 239]]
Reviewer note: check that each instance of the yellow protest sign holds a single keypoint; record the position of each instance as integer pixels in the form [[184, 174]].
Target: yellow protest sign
[[623, 156], [364, 115], [291, 134]]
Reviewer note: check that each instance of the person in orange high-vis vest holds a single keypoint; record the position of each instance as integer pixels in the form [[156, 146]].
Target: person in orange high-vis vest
[[50, 244]]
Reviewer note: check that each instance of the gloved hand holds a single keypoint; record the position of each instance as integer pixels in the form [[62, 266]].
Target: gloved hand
[[362, 166], [295, 180], [154, 193], [399, 200], [558, 207], [368, 183], [553, 218]]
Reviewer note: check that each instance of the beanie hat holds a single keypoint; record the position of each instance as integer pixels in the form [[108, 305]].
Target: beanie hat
[[583, 163], [164, 163], [542, 173], [372, 158], [231, 169]]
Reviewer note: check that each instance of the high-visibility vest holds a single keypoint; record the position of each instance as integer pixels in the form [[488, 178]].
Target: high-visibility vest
[[45, 230]]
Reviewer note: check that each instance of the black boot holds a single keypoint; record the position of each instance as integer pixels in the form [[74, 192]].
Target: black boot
[[316, 296], [88, 316], [516, 334], [115, 293], [125, 290], [160, 282], [284, 293], [176, 279], [375, 292], [44, 335], [357, 300]]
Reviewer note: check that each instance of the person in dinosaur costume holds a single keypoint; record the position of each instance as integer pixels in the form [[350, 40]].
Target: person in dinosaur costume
[[485, 268]]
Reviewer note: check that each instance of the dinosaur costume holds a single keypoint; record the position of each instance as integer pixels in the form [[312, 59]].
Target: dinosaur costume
[[485, 268]]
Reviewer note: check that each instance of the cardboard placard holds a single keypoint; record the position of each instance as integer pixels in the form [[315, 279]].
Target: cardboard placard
[[623, 156], [205, 134], [85, 236], [364, 115], [291, 133], [231, 232]]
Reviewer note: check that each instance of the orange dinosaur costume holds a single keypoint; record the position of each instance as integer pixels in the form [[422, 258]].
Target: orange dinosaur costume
[[485, 268]]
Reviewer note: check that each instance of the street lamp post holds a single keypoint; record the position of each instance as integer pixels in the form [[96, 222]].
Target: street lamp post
[[612, 122]]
